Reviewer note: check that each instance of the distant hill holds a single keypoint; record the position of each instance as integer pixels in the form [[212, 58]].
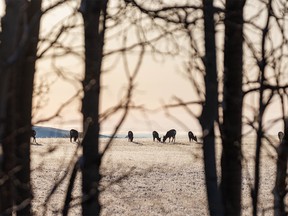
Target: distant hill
[[49, 132]]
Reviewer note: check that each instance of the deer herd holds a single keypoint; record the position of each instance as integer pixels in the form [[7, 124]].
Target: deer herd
[[170, 135]]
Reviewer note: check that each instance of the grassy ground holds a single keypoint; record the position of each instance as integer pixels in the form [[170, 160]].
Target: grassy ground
[[142, 178]]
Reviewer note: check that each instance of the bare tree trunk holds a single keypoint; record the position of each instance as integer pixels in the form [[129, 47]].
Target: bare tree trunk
[[9, 42], [232, 108], [18, 65], [24, 91], [281, 175], [262, 107], [210, 112], [94, 15]]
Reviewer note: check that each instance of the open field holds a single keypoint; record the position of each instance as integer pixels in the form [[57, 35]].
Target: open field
[[142, 178]]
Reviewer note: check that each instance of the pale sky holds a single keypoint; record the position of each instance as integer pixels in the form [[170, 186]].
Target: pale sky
[[156, 84]]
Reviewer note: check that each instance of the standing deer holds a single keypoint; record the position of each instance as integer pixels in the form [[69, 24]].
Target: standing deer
[[280, 135], [33, 135], [156, 136], [74, 134], [192, 136], [130, 136], [170, 134]]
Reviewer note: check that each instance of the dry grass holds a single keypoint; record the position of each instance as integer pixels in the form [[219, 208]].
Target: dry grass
[[142, 178]]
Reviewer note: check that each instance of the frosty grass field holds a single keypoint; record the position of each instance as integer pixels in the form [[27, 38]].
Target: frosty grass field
[[143, 177]]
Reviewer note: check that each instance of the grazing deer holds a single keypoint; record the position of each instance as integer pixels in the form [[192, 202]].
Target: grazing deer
[[130, 136], [192, 136], [280, 135], [156, 136], [170, 134], [33, 135], [74, 134]]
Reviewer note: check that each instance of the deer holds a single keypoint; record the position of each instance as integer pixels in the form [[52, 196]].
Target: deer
[[130, 136], [170, 134], [74, 135], [191, 136], [33, 135], [280, 135], [156, 136]]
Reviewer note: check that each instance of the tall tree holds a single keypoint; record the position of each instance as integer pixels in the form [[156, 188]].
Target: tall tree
[[10, 24], [20, 35], [232, 108], [24, 91], [209, 114], [262, 106], [94, 16]]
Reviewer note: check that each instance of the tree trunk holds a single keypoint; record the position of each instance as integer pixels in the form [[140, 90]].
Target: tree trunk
[[18, 58], [232, 108], [94, 15], [210, 112], [262, 107], [9, 42], [281, 175], [24, 90]]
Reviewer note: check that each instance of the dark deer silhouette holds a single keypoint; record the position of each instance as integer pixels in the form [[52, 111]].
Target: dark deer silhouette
[[280, 135], [170, 134], [74, 135], [156, 136], [130, 136], [192, 136], [33, 135]]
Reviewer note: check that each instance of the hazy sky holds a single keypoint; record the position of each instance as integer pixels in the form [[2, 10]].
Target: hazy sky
[[158, 80], [156, 84]]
